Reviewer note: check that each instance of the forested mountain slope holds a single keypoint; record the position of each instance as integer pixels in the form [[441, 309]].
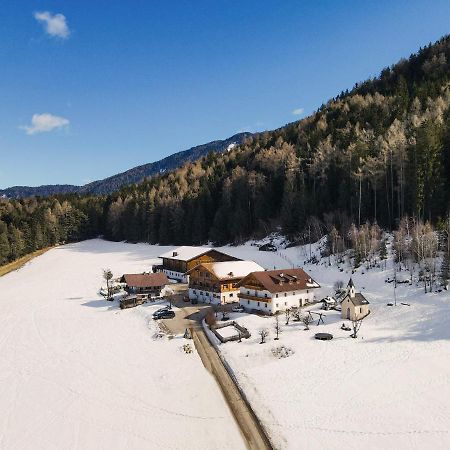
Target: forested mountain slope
[[376, 153], [131, 176]]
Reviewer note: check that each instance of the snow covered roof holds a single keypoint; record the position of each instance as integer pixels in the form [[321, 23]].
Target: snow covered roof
[[145, 280], [185, 253], [230, 269], [285, 280], [357, 300]]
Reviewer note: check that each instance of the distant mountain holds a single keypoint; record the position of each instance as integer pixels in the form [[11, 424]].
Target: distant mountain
[[131, 176]]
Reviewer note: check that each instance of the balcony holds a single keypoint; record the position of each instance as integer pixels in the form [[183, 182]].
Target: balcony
[[254, 298]]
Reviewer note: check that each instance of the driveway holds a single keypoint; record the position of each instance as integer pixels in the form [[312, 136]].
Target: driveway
[[190, 316]]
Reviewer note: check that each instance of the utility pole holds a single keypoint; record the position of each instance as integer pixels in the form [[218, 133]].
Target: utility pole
[[395, 285]]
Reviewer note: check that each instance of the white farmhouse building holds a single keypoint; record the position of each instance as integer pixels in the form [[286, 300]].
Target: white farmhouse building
[[276, 290]]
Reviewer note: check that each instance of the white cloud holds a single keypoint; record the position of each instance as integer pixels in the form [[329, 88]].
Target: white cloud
[[298, 111], [54, 24], [42, 123]]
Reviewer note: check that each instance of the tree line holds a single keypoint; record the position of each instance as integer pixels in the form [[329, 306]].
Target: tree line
[[375, 154], [32, 224]]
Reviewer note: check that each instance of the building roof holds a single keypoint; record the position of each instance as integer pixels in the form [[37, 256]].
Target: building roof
[[284, 280], [357, 300], [230, 269], [185, 253], [145, 280]]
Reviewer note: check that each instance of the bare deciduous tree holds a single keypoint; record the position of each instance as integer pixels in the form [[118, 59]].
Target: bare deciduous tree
[[297, 315], [263, 333], [287, 314], [356, 325], [277, 326], [307, 320]]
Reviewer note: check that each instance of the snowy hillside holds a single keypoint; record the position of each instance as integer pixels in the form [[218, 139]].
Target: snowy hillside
[[389, 388]]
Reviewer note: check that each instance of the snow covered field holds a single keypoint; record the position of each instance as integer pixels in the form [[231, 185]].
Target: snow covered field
[[79, 373], [390, 388]]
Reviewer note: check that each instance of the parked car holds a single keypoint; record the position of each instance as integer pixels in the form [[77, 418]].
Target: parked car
[[269, 247], [164, 314], [238, 308]]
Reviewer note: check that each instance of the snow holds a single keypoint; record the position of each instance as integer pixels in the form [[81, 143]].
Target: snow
[[228, 331], [185, 253], [77, 372], [389, 388], [238, 268]]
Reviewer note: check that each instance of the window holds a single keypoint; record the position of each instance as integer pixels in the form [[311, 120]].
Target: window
[[276, 295], [231, 295], [248, 302], [360, 310], [265, 295], [285, 303], [248, 292], [276, 305], [265, 305], [285, 294], [225, 286], [293, 293], [194, 291], [258, 303]]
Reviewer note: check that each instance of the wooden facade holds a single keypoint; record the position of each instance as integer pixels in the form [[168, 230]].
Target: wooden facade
[[203, 279], [217, 282], [182, 266]]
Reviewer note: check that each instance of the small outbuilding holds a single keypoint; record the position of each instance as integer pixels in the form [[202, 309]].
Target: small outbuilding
[[145, 283], [328, 303], [354, 305]]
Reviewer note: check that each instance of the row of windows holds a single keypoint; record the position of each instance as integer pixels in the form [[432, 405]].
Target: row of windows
[[207, 293], [265, 304], [259, 303]]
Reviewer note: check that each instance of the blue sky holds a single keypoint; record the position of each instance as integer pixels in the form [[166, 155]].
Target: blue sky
[[125, 83]]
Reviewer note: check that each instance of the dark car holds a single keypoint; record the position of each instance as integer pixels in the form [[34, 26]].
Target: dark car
[[164, 314], [164, 308]]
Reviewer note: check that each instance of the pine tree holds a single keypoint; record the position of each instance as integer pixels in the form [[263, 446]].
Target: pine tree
[[16, 242], [4, 243]]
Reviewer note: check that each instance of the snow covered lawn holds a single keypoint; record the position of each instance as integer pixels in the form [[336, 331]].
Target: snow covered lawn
[[390, 388], [76, 372]]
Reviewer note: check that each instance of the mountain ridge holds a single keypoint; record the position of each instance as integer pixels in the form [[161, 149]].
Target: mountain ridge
[[131, 176]]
